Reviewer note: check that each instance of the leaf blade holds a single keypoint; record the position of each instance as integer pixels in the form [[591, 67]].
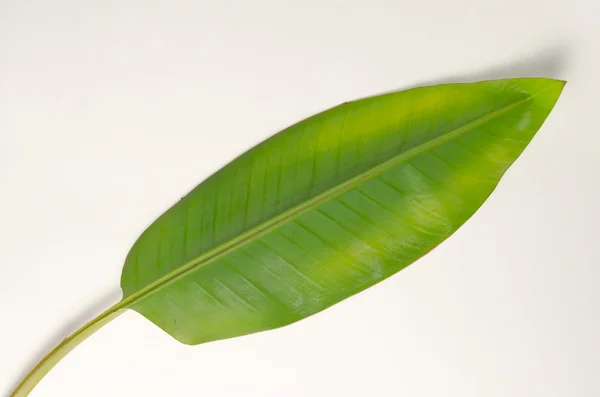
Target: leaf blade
[[387, 173]]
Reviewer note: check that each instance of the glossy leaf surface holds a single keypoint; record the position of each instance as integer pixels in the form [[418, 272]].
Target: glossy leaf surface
[[329, 207]]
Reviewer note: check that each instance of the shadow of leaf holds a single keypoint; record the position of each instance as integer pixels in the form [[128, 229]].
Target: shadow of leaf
[[551, 63]]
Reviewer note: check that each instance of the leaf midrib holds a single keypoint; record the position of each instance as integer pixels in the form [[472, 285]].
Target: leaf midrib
[[310, 204]]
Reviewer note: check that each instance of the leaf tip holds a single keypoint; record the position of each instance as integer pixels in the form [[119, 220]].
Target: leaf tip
[[562, 83]]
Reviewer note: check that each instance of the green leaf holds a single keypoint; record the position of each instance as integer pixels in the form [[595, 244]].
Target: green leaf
[[325, 209], [329, 207]]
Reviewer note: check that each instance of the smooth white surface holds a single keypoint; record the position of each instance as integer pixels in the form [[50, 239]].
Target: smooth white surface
[[110, 111]]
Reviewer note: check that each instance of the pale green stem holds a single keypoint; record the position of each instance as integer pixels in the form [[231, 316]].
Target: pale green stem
[[48, 362]]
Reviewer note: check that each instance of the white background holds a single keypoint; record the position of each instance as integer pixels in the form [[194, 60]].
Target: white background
[[110, 111]]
